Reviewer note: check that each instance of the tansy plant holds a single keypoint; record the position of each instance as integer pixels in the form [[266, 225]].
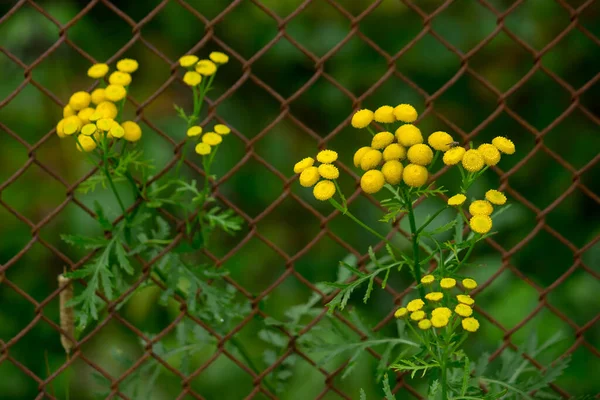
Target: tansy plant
[[440, 317]]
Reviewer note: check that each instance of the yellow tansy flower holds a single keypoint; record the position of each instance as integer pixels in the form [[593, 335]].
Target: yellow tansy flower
[[360, 154], [115, 93], [392, 172], [415, 305], [203, 149], [495, 197], [85, 143], [385, 114], [417, 315], [415, 175], [405, 113], [72, 125], [394, 152], [96, 116], [480, 223], [88, 129], [303, 164], [424, 324], [119, 78], [448, 283], [212, 138], [222, 129], [382, 139], [194, 131], [457, 199], [324, 190], [401, 312], [133, 132], [327, 156], [420, 154], [473, 161], [465, 299], [68, 111], [192, 78], [116, 131], [84, 115], [371, 159], [97, 71], [469, 283], [463, 310], [504, 145], [188, 60], [206, 67], [409, 135], [470, 324], [79, 100], [442, 311], [105, 124], [434, 296], [372, 181], [98, 96], [439, 320], [218, 57], [441, 141], [329, 171], [309, 176], [107, 109], [491, 155], [454, 155], [427, 279], [481, 207], [60, 128], [127, 65], [362, 118]]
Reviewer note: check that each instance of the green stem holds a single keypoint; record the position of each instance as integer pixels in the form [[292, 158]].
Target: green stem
[[430, 220], [359, 222], [415, 244], [109, 178], [339, 191]]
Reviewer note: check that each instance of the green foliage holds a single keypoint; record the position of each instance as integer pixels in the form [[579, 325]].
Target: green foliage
[[414, 365]]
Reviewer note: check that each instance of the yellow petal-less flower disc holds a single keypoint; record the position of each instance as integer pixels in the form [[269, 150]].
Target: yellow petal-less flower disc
[[119, 78], [324, 190], [420, 154], [203, 149], [409, 135], [470, 324], [79, 100], [465, 299], [415, 305], [448, 283], [472, 160], [303, 164], [194, 131], [424, 324], [504, 145], [480, 223], [327, 156], [401, 312], [68, 111], [206, 67], [491, 155], [469, 283], [192, 78], [405, 113], [360, 154], [116, 131], [415, 175], [95, 116], [463, 310], [84, 115], [434, 296], [427, 279], [188, 60], [133, 132], [495, 197], [222, 129], [394, 152], [384, 114], [85, 143], [107, 109], [97, 71], [481, 207], [218, 57], [127, 65], [89, 129], [72, 125], [454, 155], [441, 141], [392, 172], [443, 311], [115, 92], [362, 118], [417, 315], [60, 128], [382, 139], [329, 171], [372, 181], [212, 138], [98, 96], [105, 124], [457, 199], [439, 320], [309, 176], [371, 160]]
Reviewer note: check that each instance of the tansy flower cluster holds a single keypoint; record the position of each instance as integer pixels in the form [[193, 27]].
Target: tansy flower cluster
[[209, 140], [310, 174], [480, 210], [89, 117], [474, 160], [197, 69], [442, 308]]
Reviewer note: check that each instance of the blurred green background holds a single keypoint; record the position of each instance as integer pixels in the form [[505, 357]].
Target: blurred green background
[[536, 257]]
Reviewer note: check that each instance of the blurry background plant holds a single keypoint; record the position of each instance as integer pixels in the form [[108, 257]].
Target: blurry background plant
[[550, 257]]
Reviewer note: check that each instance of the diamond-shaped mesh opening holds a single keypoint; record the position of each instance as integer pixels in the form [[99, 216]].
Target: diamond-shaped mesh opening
[[576, 293], [575, 207], [16, 318], [15, 383], [580, 361], [223, 371]]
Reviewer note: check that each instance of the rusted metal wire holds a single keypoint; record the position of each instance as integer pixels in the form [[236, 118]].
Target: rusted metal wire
[[465, 69]]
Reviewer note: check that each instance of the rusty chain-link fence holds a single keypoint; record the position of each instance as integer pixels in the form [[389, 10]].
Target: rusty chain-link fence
[[530, 139]]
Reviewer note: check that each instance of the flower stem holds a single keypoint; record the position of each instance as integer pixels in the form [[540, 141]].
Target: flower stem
[[345, 211], [415, 243]]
